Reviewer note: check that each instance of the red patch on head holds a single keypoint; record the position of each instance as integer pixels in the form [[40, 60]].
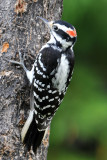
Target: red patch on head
[[72, 33]]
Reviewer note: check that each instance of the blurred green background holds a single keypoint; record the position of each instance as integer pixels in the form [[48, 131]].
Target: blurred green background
[[79, 129]]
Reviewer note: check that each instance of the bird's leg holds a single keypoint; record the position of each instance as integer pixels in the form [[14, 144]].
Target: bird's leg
[[21, 62]]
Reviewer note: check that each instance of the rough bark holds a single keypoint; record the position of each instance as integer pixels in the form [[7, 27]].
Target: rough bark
[[20, 31]]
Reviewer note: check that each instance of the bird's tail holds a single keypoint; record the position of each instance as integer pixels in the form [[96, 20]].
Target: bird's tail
[[30, 135]]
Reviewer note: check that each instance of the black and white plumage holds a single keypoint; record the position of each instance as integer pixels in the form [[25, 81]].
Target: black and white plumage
[[49, 79]]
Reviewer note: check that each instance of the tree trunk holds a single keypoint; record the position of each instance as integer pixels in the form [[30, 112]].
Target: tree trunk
[[20, 31]]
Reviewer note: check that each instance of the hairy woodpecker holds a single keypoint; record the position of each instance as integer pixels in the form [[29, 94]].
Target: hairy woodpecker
[[49, 79]]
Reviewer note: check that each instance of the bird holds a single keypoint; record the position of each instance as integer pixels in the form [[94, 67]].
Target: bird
[[49, 78]]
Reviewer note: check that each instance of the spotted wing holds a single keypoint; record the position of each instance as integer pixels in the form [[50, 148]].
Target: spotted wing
[[46, 97]]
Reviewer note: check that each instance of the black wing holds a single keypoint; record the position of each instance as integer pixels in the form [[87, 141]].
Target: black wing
[[46, 97]]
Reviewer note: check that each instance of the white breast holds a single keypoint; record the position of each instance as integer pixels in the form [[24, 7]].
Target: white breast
[[60, 79]]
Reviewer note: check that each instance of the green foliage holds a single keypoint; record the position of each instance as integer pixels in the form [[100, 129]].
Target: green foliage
[[65, 155], [83, 113]]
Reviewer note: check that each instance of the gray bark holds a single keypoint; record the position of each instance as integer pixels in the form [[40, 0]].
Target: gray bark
[[20, 29]]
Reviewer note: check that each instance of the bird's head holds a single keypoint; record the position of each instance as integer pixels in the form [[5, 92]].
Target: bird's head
[[62, 33]]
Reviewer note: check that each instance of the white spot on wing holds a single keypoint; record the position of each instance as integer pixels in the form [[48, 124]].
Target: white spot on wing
[[41, 116], [48, 106], [50, 100], [50, 91], [54, 91], [35, 112], [53, 106], [36, 122], [35, 95], [48, 86], [41, 64], [47, 97], [36, 104], [40, 89]]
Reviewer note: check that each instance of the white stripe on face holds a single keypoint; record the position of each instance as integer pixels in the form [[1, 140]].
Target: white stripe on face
[[63, 27]]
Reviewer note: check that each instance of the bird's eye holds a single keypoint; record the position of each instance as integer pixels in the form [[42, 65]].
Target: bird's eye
[[55, 28], [68, 39]]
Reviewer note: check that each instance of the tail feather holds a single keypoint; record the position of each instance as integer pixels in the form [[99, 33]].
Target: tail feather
[[37, 140], [31, 137]]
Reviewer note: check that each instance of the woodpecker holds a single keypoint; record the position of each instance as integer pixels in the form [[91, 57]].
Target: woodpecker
[[49, 79]]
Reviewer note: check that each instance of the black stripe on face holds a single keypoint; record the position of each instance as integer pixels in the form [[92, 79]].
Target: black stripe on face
[[63, 35], [68, 25]]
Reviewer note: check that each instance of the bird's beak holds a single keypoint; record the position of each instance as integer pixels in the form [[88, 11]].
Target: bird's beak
[[49, 24]]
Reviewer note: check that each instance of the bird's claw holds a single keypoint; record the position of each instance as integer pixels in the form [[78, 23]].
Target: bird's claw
[[21, 62], [21, 59]]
